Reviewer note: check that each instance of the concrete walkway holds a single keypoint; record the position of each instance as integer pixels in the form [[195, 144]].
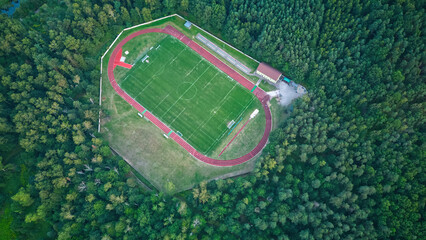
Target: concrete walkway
[[224, 54]]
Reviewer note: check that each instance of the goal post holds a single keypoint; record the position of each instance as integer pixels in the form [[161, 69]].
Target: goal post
[[230, 124]]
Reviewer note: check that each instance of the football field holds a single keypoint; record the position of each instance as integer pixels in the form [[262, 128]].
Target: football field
[[187, 93]]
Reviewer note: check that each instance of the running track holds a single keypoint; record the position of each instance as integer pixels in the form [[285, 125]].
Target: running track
[[260, 94]]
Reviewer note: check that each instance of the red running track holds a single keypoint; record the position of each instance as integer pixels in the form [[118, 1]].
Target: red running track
[[117, 61], [259, 93]]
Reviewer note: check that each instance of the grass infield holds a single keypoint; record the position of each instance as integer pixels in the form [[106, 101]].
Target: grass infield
[[185, 91]]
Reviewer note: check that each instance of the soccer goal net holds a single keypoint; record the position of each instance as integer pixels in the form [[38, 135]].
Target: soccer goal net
[[230, 124]]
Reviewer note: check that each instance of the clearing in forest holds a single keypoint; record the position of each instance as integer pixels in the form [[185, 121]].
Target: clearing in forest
[[184, 90]]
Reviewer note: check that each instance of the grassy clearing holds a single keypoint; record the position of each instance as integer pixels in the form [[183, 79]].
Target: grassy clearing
[[187, 92], [157, 159]]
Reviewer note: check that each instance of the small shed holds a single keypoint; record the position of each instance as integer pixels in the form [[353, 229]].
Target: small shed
[[188, 24]]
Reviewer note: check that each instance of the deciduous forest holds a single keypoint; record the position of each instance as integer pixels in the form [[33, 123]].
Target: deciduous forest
[[348, 163]]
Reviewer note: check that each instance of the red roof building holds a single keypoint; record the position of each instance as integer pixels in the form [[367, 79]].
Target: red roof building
[[268, 72]]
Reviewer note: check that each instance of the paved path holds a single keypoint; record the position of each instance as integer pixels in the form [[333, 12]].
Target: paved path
[[259, 93]]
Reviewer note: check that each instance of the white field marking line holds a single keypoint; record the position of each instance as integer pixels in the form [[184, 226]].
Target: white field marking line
[[208, 137], [167, 94], [161, 101], [225, 130], [221, 135], [193, 68], [132, 98], [142, 91], [139, 92], [164, 65], [123, 80], [152, 79], [222, 102], [236, 101], [211, 80], [185, 92], [170, 62], [211, 139], [110, 46], [172, 55], [145, 85], [149, 64], [206, 134], [215, 141], [177, 116], [139, 66]]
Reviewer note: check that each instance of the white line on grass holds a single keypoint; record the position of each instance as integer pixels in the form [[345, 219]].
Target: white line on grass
[[151, 79], [145, 85], [211, 80], [194, 67], [185, 92], [161, 101], [225, 130], [177, 116], [221, 104], [221, 134], [123, 80], [175, 56], [200, 130]]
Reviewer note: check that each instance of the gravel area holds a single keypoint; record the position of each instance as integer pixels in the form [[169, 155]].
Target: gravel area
[[287, 93]]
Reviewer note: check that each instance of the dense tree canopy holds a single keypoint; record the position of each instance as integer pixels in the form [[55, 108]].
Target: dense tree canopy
[[347, 163]]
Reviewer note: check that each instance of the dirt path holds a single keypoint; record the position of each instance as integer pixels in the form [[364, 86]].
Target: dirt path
[[259, 93]]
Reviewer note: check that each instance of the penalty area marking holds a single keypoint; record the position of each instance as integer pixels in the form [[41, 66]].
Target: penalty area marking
[[177, 116], [222, 103], [211, 79], [220, 106], [225, 130]]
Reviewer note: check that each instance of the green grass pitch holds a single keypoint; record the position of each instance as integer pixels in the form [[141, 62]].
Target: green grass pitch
[[186, 92]]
